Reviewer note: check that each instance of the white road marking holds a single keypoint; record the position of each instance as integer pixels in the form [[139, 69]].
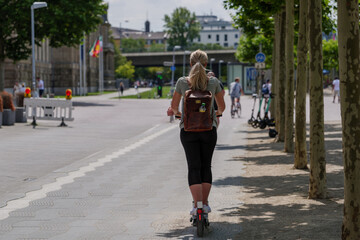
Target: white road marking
[[24, 202]]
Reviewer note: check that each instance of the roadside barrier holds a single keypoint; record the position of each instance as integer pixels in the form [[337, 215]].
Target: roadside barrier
[[48, 109]]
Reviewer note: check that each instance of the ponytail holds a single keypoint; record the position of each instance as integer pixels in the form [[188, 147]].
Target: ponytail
[[198, 78]]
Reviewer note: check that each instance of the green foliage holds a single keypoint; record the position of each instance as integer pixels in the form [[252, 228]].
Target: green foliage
[[208, 46], [155, 47], [62, 22], [256, 16], [330, 54], [126, 70], [249, 47], [182, 27], [150, 94], [129, 45]]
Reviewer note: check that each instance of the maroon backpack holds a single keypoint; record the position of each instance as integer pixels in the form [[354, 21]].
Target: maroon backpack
[[198, 111]]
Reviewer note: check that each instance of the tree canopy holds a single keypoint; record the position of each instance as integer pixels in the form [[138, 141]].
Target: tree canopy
[[63, 22], [182, 27]]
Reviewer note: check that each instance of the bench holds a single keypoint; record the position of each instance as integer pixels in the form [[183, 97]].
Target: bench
[[48, 109]]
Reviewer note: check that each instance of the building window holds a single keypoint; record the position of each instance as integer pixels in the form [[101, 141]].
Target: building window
[[225, 37], [217, 37], [222, 27], [209, 36], [226, 44], [199, 39], [236, 36]]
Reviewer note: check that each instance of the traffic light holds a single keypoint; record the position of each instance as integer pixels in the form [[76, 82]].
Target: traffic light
[[159, 91], [68, 94], [27, 92], [159, 78]]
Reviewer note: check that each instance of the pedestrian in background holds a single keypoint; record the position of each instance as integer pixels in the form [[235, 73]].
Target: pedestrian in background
[[121, 88], [41, 86], [336, 89], [198, 146]]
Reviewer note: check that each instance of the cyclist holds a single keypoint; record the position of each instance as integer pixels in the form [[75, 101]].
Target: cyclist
[[235, 92]]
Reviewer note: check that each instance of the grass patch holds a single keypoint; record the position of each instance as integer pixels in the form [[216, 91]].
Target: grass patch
[[150, 94]]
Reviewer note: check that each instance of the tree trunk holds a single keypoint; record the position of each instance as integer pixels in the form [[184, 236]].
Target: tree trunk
[[280, 108], [2, 67], [289, 92], [2, 75], [273, 67], [300, 159], [348, 27], [317, 188]]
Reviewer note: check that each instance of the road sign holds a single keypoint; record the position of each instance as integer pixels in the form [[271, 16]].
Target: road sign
[[260, 57], [260, 65], [172, 68], [168, 64]]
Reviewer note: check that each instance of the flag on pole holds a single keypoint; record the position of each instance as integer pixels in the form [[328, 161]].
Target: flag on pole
[[96, 48]]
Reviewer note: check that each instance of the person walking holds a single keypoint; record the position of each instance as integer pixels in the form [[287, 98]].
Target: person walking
[[41, 86], [198, 146], [122, 88], [336, 89]]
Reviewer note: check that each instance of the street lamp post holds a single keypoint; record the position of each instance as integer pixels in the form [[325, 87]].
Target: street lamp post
[[173, 67], [185, 53], [35, 5], [211, 60], [220, 61]]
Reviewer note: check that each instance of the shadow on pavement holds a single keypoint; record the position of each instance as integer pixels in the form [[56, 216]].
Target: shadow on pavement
[[275, 195], [216, 230], [89, 104]]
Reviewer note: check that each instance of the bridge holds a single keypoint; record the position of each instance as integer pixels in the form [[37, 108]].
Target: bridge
[[154, 59]]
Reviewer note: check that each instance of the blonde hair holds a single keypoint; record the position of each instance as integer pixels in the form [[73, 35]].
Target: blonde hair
[[197, 76]]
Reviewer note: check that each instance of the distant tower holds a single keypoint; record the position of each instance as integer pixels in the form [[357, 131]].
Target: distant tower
[[147, 26], [147, 23]]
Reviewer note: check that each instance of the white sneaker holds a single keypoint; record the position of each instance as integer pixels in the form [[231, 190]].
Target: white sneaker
[[206, 209], [193, 211]]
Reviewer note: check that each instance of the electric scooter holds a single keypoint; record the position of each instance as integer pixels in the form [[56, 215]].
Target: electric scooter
[[200, 220], [252, 119]]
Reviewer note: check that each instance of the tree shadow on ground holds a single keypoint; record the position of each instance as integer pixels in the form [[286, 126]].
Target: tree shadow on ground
[[276, 204], [216, 230]]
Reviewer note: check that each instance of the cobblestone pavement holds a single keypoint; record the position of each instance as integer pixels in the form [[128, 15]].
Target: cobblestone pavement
[[134, 189]]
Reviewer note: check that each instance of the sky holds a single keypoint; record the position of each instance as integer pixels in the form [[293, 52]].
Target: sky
[[133, 13]]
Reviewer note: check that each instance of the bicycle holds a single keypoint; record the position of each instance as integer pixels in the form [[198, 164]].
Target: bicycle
[[200, 220], [236, 109]]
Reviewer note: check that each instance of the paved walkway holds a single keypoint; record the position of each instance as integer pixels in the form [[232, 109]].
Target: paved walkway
[[135, 187]]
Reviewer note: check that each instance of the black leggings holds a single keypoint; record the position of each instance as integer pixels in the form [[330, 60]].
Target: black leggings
[[199, 148]]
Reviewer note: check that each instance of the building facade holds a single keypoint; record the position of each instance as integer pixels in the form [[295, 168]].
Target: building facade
[[60, 67], [150, 38], [217, 31]]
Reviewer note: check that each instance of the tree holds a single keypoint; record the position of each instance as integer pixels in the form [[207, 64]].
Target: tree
[[348, 21], [126, 70], [289, 92], [281, 75], [331, 54], [182, 27], [317, 188], [123, 67], [248, 47], [300, 158], [129, 45], [62, 22]]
